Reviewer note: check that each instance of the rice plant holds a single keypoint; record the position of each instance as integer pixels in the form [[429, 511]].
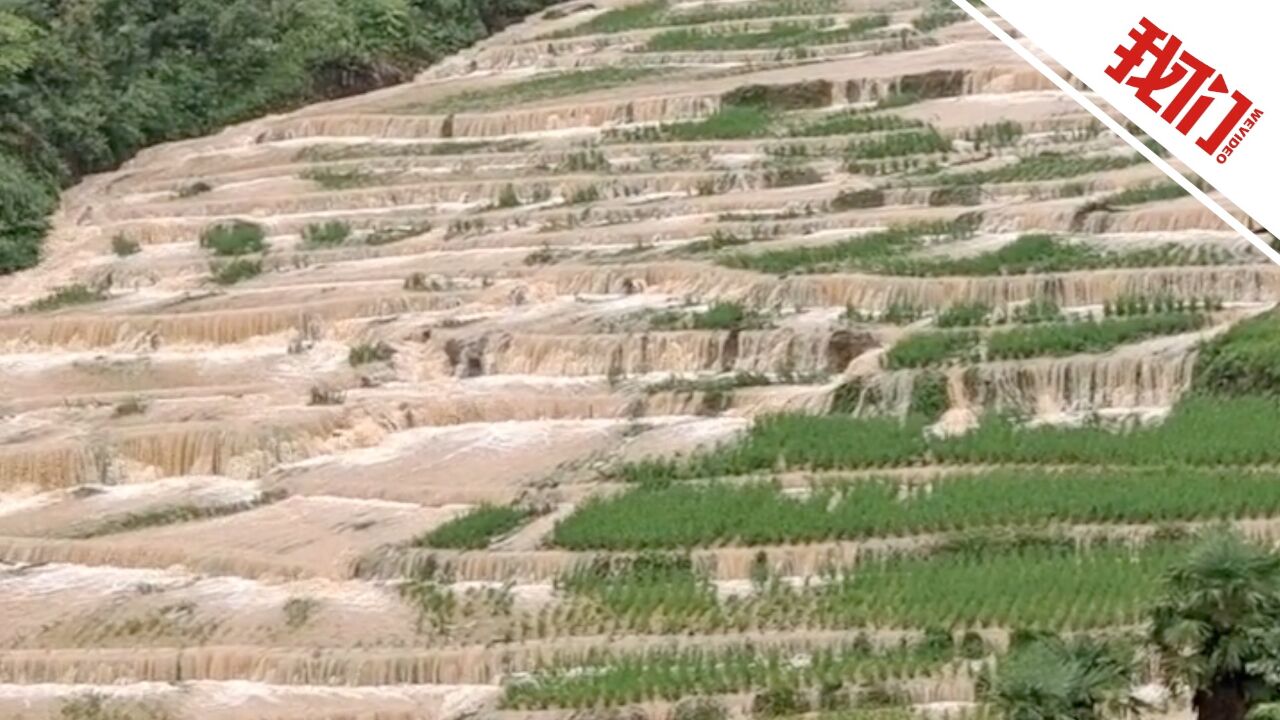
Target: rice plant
[[1202, 431], [923, 349], [1089, 336], [911, 142], [690, 515], [1045, 166], [789, 34], [612, 678], [475, 529]]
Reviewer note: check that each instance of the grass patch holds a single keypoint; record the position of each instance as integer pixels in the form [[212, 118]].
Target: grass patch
[[607, 679], [1242, 362], [720, 316], [659, 14], [888, 253], [543, 87], [1045, 166], [730, 122], [1201, 430], [230, 273], [912, 142], [923, 349], [367, 353], [866, 252], [1090, 336], [66, 296], [124, 247], [476, 529], [328, 234], [340, 179], [780, 35], [851, 122], [691, 515], [234, 238]]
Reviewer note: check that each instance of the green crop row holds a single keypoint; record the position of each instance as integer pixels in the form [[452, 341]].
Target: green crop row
[[923, 349], [687, 515], [1013, 580], [888, 253], [1090, 336], [658, 13], [612, 679], [1199, 431], [1045, 166], [780, 35], [475, 529]]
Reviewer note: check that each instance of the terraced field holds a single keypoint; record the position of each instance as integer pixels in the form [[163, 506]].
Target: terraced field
[[648, 359]]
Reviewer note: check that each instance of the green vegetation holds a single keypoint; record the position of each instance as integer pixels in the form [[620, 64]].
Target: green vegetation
[[858, 199], [1080, 679], [334, 232], [234, 238], [1131, 305], [1089, 336], [850, 122], [66, 296], [720, 316], [342, 179], [657, 13], [542, 87], [730, 122], [865, 252], [230, 273], [888, 253], [963, 315], [1214, 629], [911, 142], [86, 85], [1244, 361], [124, 247], [790, 34], [923, 349], [476, 529], [615, 679], [366, 353], [1145, 194], [1045, 166], [669, 516], [1200, 431]]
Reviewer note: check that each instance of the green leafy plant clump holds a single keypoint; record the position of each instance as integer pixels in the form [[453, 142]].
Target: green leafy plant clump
[[234, 238]]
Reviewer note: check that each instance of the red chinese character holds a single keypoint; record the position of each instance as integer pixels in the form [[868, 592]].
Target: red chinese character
[[1166, 73]]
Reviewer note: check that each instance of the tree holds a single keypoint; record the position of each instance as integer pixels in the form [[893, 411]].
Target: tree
[[1214, 629], [1051, 679]]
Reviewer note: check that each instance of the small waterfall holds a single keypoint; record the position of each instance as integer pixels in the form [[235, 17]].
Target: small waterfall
[[1053, 386]]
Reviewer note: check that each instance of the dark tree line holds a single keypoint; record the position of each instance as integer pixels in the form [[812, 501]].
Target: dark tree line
[[84, 84]]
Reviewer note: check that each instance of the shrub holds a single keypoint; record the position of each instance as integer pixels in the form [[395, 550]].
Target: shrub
[[196, 188], [233, 272], [858, 199], [366, 353], [124, 247], [235, 238], [334, 232], [66, 296]]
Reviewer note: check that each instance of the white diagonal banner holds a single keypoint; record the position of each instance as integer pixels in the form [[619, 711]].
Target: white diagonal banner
[[1197, 77]]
